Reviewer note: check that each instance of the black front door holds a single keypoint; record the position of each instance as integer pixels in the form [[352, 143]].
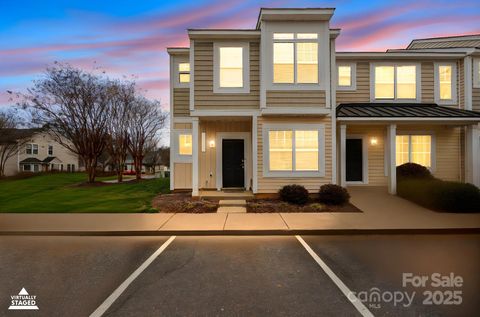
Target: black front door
[[233, 164], [354, 160]]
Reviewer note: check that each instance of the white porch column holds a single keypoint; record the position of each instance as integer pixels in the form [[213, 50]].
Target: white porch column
[[195, 157], [254, 154], [343, 147], [472, 159], [392, 155]]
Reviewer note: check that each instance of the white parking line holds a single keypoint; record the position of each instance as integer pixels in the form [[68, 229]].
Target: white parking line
[[345, 290], [116, 293]]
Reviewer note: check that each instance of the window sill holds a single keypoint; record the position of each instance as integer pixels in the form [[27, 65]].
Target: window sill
[[296, 174]]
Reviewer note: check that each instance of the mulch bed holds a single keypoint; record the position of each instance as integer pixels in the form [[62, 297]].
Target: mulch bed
[[183, 203], [276, 205]]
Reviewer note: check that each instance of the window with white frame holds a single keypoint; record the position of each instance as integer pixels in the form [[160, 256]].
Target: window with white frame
[[185, 144], [395, 82], [182, 145], [31, 149], [183, 72], [295, 150], [50, 150], [295, 58], [445, 83], [476, 73], [414, 149], [346, 78], [231, 67]]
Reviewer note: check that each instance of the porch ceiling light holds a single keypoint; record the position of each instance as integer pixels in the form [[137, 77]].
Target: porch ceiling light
[[373, 141], [211, 143]]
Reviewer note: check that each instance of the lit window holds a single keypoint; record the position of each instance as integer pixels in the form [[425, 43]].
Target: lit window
[[306, 150], [283, 68], [231, 67], [414, 149], [295, 58], [281, 144], [384, 82], [344, 76], [307, 63], [395, 82], [185, 144], [184, 72]]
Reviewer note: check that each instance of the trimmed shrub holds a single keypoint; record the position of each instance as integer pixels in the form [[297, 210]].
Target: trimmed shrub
[[294, 194], [413, 170], [332, 194], [441, 195]]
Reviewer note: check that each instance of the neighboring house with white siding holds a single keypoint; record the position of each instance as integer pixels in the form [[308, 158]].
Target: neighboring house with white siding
[[40, 153], [261, 108]]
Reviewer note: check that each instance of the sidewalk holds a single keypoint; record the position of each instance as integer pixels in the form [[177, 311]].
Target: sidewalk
[[382, 213]]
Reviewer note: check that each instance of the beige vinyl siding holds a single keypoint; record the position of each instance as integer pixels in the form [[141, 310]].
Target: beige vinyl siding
[[445, 44], [476, 99], [362, 93], [376, 153], [181, 102], [428, 82], [296, 98], [182, 175], [203, 76], [273, 184], [185, 126], [208, 159]]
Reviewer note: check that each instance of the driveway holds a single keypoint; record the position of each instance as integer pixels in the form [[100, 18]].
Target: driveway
[[277, 276]]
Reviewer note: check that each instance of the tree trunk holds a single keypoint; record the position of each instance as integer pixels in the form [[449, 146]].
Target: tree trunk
[[138, 168]]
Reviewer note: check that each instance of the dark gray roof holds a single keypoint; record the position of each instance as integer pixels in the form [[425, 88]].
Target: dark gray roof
[[48, 159], [403, 110], [30, 160], [12, 135]]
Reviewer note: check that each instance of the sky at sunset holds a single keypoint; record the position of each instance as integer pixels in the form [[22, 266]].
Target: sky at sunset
[[129, 37]]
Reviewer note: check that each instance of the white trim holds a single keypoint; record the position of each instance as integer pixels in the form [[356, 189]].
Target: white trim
[[343, 151], [192, 75], [392, 168], [320, 127], [468, 82], [263, 68], [195, 157], [353, 76], [224, 113], [293, 109], [245, 136], [398, 55], [177, 60], [254, 154], [476, 75], [333, 107], [245, 89], [172, 123], [418, 82], [176, 157], [183, 119], [454, 100], [472, 155], [364, 139], [394, 119]]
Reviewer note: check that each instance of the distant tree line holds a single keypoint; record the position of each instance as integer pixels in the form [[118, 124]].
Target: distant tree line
[[91, 115]]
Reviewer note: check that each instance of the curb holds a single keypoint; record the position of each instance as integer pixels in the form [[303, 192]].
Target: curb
[[247, 232]]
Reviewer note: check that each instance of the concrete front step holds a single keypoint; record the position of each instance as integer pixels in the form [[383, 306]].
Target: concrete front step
[[232, 202], [231, 209]]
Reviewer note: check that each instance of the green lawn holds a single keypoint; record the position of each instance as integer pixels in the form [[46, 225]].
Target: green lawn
[[61, 193]]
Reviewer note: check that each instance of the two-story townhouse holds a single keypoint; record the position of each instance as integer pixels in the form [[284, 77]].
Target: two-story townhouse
[[39, 152], [261, 108]]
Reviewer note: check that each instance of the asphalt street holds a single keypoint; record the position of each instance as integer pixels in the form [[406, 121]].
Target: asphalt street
[[243, 276]]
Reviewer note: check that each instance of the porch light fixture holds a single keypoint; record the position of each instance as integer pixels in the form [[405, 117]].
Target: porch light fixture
[[373, 141], [212, 143]]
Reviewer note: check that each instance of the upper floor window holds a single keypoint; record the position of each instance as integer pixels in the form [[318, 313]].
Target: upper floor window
[[445, 83], [31, 149], [295, 58], [184, 72], [395, 82], [50, 150], [231, 67], [476, 73], [346, 76]]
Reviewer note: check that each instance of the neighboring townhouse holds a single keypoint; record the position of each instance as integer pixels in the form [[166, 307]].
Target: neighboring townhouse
[[261, 108], [39, 152]]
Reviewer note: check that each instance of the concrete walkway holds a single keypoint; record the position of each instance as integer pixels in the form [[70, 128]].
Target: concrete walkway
[[381, 212]]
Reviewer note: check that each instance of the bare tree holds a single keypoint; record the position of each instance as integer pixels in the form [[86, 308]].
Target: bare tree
[[144, 125], [152, 156], [122, 101], [10, 138], [74, 104]]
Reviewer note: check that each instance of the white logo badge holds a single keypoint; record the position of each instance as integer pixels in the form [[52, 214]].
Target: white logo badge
[[23, 301]]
